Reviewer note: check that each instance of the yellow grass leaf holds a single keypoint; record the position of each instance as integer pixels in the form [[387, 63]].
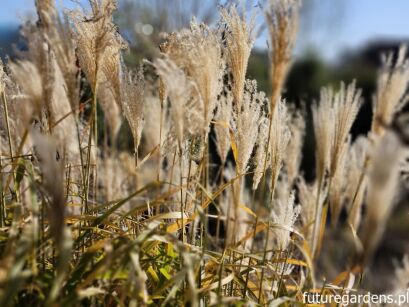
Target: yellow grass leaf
[[291, 261], [97, 246], [153, 274], [248, 210], [216, 284]]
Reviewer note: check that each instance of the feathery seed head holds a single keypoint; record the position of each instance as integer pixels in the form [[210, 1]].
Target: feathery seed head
[[52, 175], [333, 119], [338, 185], [2, 77], [294, 149], [98, 42], [46, 11], [239, 41], [245, 124], [197, 52], [153, 132], [186, 109], [262, 152], [346, 104], [282, 20], [279, 139], [132, 103], [308, 199], [391, 94], [31, 88], [284, 215], [223, 115], [382, 189]]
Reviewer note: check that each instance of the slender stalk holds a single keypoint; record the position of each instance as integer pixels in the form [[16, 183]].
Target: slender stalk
[[160, 137], [264, 262], [92, 130], [358, 188], [205, 184], [6, 117], [317, 217], [181, 195], [136, 156], [251, 251]]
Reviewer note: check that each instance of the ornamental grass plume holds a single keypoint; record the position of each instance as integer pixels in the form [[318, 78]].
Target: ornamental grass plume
[[153, 133], [38, 54], [183, 172], [99, 47], [346, 104], [245, 125], [16, 110], [236, 218], [31, 90], [186, 109], [239, 41], [113, 187], [56, 32], [197, 52], [383, 186], [282, 21], [64, 123], [323, 116], [112, 111], [52, 180], [223, 117], [132, 93], [46, 11], [262, 152], [115, 80], [333, 119], [48, 94], [339, 184], [293, 152], [2, 78], [278, 141], [97, 41], [284, 217], [307, 194], [391, 94]]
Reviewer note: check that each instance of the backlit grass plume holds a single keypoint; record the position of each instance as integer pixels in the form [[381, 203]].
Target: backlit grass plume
[[239, 41]]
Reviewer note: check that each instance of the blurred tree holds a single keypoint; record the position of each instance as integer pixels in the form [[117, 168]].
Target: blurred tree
[[258, 69], [306, 77], [8, 36]]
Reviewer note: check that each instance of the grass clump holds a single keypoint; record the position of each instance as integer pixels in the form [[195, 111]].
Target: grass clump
[[211, 206]]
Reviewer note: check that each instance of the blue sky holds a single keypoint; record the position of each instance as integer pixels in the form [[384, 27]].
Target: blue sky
[[360, 21], [364, 21]]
